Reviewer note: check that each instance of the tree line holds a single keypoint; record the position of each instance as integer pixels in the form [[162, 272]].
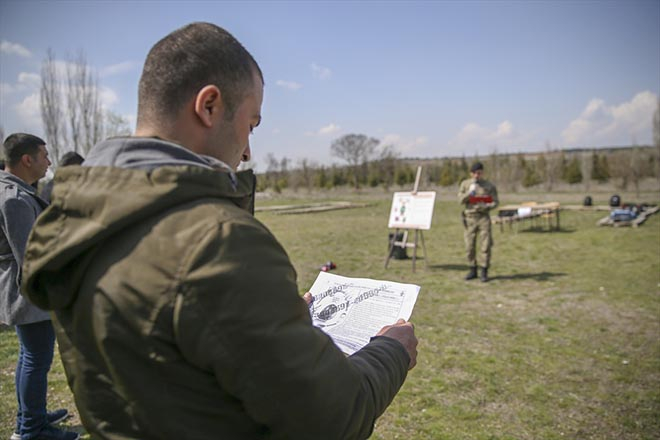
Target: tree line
[[626, 167], [367, 165]]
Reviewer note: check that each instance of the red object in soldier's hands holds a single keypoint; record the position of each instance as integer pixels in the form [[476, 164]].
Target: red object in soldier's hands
[[327, 267], [480, 199]]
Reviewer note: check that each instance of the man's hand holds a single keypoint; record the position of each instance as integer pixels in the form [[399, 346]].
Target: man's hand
[[404, 332], [308, 298]]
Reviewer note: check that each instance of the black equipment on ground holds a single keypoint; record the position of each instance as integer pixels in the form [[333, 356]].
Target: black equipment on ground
[[398, 252]]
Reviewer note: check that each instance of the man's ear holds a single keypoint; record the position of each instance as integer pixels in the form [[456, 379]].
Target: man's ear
[[26, 160], [209, 105]]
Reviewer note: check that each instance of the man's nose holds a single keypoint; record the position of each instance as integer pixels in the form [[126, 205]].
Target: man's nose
[[247, 153]]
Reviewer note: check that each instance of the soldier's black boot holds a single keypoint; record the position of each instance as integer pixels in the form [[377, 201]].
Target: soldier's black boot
[[484, 275], [472, 274]]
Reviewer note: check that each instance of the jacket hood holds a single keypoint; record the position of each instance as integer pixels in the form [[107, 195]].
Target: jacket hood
[[124, 181], [9, 180]]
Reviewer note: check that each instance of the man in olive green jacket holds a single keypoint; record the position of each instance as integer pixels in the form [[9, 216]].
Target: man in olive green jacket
[[177, 312], [478, 196]]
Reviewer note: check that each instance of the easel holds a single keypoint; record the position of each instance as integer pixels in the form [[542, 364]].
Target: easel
[[404, 241]]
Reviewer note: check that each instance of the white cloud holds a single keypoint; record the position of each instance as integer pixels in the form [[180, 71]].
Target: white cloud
[[30, 80], [323, 131], [473, 136], [290, 85], [406, 146], [320, 72], [26, 81], [118, 68], [602, 125], [108, 97], [14, 49], [329, 129], [29, 113]]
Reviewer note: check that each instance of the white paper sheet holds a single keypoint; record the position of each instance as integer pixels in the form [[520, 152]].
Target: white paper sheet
[[352, 310]]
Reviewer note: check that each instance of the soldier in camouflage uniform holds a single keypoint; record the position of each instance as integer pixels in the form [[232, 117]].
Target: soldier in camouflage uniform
[[477, 221]]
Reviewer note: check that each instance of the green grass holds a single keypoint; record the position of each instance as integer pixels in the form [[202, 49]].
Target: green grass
[[563, 343]]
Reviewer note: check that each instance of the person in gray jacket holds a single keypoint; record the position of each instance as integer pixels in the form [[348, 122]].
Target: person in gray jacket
[[26, 162]]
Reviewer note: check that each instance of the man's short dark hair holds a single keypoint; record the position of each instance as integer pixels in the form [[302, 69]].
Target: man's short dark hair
[[71, 158], [476, 167], [18, 144], [180, 64]]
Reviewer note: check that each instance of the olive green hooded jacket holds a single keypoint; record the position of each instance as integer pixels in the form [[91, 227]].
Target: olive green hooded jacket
[[178, 315]]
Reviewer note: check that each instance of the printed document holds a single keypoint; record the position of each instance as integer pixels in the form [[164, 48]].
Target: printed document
[[352, 310]]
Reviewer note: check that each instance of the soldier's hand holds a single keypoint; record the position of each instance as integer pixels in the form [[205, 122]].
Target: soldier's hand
[[404, 332]]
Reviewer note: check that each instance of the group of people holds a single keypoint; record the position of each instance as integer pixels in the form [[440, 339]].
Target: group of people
[[176, 312]]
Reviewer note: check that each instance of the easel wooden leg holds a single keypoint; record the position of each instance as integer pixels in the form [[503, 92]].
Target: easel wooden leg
[[391, 248], [426, 264], [415, 251]]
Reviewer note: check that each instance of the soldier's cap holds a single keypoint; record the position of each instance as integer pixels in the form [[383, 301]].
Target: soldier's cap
[[476, 166]]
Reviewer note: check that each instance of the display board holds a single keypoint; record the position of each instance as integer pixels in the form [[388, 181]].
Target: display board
[[412, 210]]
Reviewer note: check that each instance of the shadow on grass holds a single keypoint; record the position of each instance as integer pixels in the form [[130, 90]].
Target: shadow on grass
[[460, 267], [541, 276], [542, 230], [6, 328]]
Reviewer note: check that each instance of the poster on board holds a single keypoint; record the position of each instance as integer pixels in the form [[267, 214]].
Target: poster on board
[[412, 211]]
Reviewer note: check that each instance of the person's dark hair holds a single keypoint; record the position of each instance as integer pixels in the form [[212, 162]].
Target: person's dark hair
[[183, 62], [71, 158], [18, 144], [476, 166]]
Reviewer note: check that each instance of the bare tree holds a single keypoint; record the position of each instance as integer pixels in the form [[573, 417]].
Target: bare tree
[[355, 149], [2, 133], [387, 165], [71, 107], [52, 116], [72, 100], [554, 163], [306, 173], [272, 167], [116, 125], [283, 180], [636, 164], [586, 166], [83, 104]]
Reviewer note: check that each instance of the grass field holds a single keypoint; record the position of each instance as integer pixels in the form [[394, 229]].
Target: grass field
[[563, 343]]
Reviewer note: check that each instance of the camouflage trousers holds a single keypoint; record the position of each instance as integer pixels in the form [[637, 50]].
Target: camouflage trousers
[[478, 239]]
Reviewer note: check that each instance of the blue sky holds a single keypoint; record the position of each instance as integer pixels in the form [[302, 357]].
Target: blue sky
[[430, 78]]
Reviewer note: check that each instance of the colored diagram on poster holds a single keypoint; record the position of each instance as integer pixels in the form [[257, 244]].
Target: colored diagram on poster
[[412, 211]]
